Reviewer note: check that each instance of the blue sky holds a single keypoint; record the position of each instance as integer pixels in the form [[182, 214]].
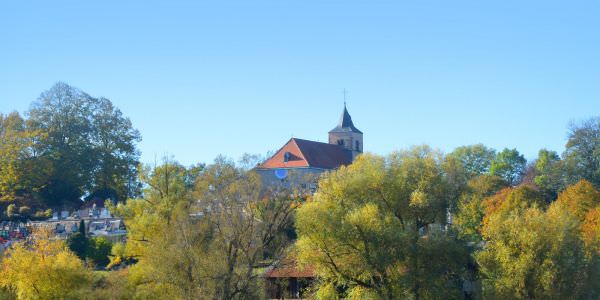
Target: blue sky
[[203, 78]]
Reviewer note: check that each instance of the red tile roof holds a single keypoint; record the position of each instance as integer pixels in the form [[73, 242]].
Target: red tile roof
[[288, 268], [304, 153]]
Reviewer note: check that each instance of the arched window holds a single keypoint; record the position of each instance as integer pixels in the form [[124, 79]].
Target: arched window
[[340, 142], [357, 146], [286, 157]]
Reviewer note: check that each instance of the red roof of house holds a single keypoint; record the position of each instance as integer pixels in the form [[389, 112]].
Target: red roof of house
[[304, 153], [288, 268]]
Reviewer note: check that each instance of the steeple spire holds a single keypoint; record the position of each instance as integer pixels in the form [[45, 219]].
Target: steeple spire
[[345, 124], [345, 134]]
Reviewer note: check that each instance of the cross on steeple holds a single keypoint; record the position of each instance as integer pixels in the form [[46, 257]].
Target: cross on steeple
[[345, 92]]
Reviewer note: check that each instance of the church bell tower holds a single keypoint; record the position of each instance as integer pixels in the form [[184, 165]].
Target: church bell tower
[[346, 135]]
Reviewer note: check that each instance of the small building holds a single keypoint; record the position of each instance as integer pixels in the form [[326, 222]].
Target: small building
[[285, 280]]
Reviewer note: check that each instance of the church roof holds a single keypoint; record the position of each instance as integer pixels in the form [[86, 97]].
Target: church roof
[[345, 124], [304, 154]]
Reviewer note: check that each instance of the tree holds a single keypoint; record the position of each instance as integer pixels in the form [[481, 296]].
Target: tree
[[111, 285], [247, 223], [476, 159], [43, 268], [22, 172], [532, 254], [78, 242], [99, 248], [549, 173], [89, 144], [582, 201], [510, 201], [471, 208], [462, 165], [12, 146], [510, 165], [579, 199], [209, 245], [114, 140], [582, 153], [373, 229], [590, 230]]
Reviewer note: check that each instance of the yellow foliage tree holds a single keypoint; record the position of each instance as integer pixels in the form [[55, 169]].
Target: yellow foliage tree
[[533, 253], [373, 230], [43, 268], [579, 198]]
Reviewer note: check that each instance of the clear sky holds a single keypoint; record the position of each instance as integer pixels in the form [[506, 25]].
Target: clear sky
[[203, 78]]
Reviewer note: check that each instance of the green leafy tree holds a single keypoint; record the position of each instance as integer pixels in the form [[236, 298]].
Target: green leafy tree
[[549, 173], [78, 242], [114, 147], [91, 147], [98, 251], [462, 165], [373, 230], [582, 153], [510, 165], [476, 159]]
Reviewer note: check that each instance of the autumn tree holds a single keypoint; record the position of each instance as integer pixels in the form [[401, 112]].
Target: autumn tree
[[209, 241], [471, 208], [374, 230], [43, 268], [534, 253], [582, 200], [247, 222], [579, 199], [509, 201], [22, 171]]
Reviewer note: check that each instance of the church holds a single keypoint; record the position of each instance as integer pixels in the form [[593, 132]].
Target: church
[[300, 160]]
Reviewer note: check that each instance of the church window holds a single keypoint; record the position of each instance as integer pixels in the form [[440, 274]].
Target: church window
[[357, 146], [340, 142], [286, 157]]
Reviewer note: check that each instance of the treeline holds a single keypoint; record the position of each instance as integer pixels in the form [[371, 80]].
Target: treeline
[[415, 224], [69, 145], [198, 233], [476, 224]]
